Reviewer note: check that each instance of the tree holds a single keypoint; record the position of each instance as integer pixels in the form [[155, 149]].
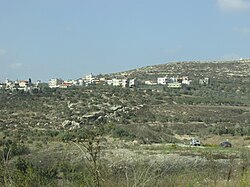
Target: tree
[[88, 140]]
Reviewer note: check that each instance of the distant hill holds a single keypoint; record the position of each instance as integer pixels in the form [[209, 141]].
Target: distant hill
[[193, 69], [220, 107]]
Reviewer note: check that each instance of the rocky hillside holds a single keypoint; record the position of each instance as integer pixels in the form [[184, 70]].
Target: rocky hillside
[[196, 69], [147, 114], [65, 137]]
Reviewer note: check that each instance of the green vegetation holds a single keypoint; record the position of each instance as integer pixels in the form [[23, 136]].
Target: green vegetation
[[112, 136]]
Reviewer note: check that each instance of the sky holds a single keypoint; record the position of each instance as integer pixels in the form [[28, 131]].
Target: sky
[[69, 39]]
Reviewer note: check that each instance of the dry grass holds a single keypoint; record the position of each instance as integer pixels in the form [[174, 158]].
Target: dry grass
[[237, 141]]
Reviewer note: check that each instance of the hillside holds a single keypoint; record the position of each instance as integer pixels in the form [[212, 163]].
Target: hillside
[[122, 124], [238, 68], [224, 103]]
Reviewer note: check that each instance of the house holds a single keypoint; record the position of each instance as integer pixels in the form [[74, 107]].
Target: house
[[125, 83], [14, 86], [65, 85], [132, 83], [80, 82], [89, 79], [109, 82], [178, 82], [116, 82], [55, 82], [23, 83], [162, 80], [185, 80]]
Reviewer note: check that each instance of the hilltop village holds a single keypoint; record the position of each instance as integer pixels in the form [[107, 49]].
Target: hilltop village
[[170, 82], [171, 75], [180, 75]]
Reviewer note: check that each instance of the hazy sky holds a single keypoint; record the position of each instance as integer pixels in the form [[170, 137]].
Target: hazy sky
[[43, 39]]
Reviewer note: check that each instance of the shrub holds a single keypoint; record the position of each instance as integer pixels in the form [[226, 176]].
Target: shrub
[[12, 148]]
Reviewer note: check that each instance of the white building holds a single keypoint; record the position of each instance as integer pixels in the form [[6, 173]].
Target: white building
[[89, 79], [125, 83], [72, 82], [23, 83], [162, 80], [109, 82], [185, 80], [55, 83], [80, 82], [132, 83], [116, 82]]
